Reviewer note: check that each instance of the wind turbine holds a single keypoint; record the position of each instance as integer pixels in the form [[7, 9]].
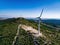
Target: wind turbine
[[39, 21]]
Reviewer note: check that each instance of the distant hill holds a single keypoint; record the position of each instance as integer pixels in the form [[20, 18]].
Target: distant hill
[[8, 30], [1, 18], [53, 22]]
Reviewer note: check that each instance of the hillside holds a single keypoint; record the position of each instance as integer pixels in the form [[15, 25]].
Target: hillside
[[8, 29]]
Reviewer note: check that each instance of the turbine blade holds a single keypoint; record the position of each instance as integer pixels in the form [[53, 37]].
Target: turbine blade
[[41, 13]]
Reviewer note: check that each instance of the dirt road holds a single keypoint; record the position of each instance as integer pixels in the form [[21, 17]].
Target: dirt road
[[33, 31]]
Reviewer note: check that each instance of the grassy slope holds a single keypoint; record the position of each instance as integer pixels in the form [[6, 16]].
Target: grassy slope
[[8, 30]]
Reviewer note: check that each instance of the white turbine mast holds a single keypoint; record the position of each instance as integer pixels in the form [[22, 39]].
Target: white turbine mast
[[39, 21]]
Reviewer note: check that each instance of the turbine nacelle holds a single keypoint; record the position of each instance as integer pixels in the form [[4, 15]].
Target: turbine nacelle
[[39, 18]]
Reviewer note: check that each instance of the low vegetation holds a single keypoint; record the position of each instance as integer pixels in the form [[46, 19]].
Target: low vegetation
[[8, 30]]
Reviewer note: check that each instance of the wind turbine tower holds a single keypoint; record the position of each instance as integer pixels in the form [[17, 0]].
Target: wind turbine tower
[[39, 21]]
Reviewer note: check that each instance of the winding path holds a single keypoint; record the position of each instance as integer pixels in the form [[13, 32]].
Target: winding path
[[15, 38]]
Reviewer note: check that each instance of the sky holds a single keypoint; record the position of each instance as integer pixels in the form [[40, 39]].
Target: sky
[[30, 8]]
